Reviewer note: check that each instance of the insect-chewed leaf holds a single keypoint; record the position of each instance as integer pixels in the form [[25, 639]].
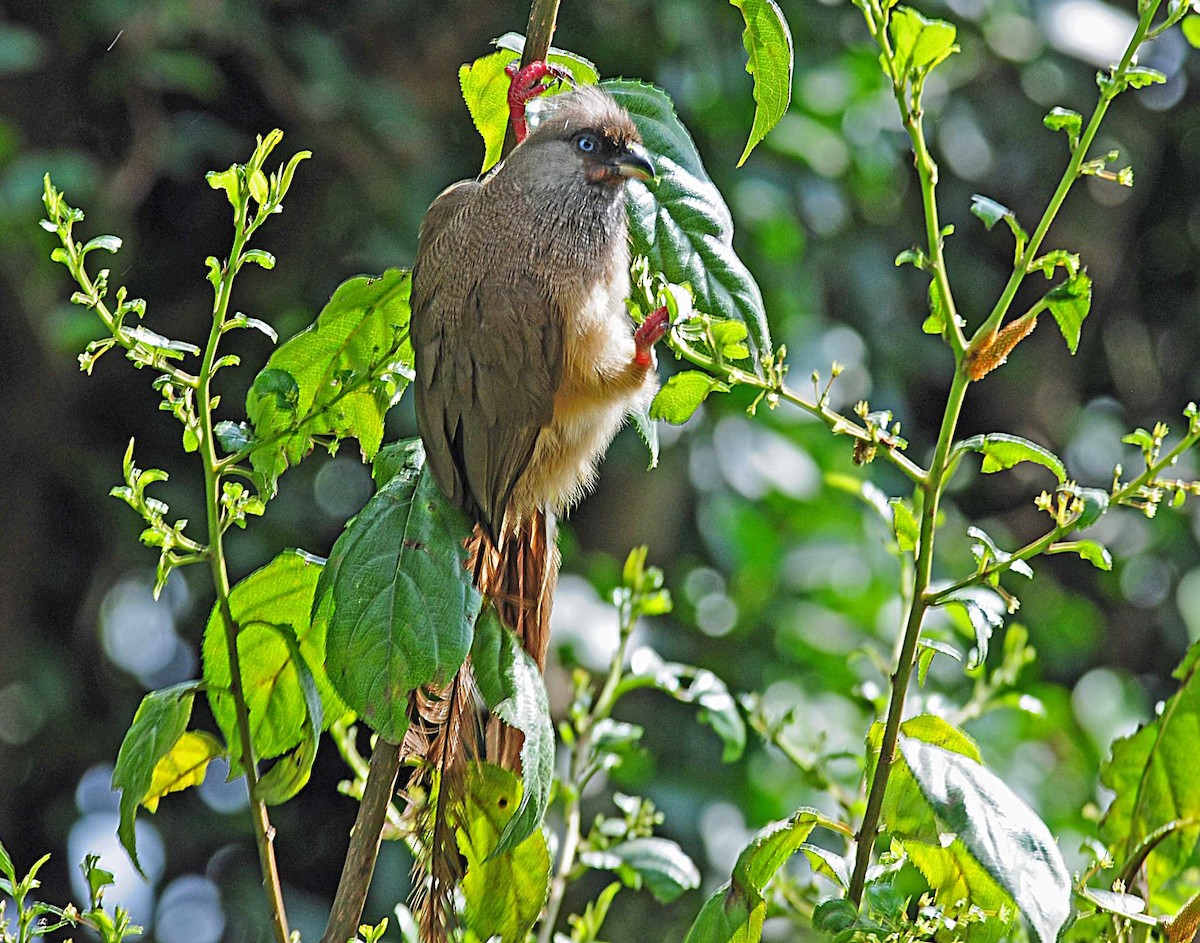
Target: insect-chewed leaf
[[484, 85], [680, 221], [280, 650], [396, 597], [160, 721], [735, 913], [998, 830], [513, 689], [337, 377], [503, 892], [768, 43]]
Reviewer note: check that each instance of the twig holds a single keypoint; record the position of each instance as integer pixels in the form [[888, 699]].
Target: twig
[[364, 843], [543, 15]]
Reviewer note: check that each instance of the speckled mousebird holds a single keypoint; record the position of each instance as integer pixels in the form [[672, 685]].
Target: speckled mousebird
[[527, 363]]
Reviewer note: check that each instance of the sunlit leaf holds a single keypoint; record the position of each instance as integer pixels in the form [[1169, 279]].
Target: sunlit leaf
[[183, 766], [1001, 450], [768, 43]]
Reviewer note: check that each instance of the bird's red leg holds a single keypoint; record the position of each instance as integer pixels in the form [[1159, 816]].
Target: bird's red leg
[[525, 85], [649, 333]]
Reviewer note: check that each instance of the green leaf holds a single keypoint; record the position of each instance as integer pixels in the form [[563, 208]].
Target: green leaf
[[107, 243], [905, 812], [1063, 119], [503, 892], [827, 863], [955, 876], [647, 431], [682, 395], [695, 686], [680, 221], [904, 524], [336, 378], [1001, 450], [986, 551], [1095, 554], [1191, 30], [397, 598], [160, 721], [658, 863], [1069, 302], [513, 689], [833, 916], [259, 256], [999, 831], [183, 766], [935, 322], [1153, 775], [272, 608], [143, 335], [484, 86], [768, 43], [290, 774], [985, 610], [735, 913], [989, 210], [919, 45], [1140, 77]]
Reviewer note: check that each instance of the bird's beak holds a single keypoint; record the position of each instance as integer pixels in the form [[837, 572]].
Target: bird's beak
[[634, 162]]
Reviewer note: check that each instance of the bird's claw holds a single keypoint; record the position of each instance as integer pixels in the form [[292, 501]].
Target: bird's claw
[[526, 84], [649, 333]]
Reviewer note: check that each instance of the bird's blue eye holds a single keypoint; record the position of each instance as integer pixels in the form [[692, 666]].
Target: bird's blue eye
[[587, 143]]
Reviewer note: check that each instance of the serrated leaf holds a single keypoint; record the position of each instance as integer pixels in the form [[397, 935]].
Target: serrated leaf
[[397, 599], [700, 687], [183, 766], [658, 863], [484, 85], [768, 43], [735, 913], [680, 221], [337, 378], [827, 863], [259, 256], [160, 721], [647, 430], [682, 395], [512, 687], [233, 436], [998, 830], [955, 876], [1140, 77], [1001, 450], [270, 605], [503, 893], [1153, 775], [1069, 302]]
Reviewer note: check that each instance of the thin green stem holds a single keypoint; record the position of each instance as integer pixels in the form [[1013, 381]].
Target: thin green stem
[[838, 423], [922, 574], [263, 831], [580, 772], [1107, 93]]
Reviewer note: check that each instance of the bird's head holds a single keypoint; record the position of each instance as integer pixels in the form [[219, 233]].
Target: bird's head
[[586, 134]]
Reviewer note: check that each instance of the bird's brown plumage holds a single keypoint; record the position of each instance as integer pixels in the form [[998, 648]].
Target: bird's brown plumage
[[525, 355]]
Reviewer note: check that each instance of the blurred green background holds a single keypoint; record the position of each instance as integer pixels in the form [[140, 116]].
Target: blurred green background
[[780, 580]]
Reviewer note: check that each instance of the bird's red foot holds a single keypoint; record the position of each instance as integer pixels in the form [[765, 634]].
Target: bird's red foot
[[526, 84], [649, 333]]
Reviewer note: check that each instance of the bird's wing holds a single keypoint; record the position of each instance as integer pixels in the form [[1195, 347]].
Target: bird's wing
[[489, 351]]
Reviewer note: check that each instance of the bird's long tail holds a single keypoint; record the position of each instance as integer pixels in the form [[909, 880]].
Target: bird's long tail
[[517, 574]]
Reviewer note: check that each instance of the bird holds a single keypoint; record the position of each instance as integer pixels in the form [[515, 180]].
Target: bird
[[527, 364]]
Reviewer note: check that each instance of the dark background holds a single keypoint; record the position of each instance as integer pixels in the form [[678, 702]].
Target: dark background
[[778, 579]]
